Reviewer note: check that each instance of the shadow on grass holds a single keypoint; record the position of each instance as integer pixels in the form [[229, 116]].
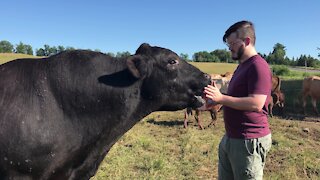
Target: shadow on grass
[[299, 117], [170, 123]]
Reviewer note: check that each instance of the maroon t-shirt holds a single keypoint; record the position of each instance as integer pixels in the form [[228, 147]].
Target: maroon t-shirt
[[251, 77]]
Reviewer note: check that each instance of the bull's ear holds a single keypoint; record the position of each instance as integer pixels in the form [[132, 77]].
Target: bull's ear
[[137, 66], [144, 48]]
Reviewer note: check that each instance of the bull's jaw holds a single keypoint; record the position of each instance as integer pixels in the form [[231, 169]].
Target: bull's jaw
[[199, 101]]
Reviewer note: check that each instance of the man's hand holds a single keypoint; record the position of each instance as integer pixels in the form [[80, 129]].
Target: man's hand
[[213, 93]]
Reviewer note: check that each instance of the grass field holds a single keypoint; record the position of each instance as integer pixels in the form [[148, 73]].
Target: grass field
[[5, 57], [158, 147], [215, 68]]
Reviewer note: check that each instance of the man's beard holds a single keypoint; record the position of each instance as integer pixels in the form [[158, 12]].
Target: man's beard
[[239, 54]]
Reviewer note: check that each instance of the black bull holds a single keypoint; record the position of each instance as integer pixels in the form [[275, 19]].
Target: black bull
[[60, 115]]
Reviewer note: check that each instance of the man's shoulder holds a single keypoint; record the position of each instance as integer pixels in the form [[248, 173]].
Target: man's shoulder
[[259, 61], [258, 58]]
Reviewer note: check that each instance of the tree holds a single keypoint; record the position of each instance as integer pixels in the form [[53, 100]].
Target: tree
[[123, 54], [184, 56], [278, 55], [6, 47], [319, 53], [53, 50], [110, 54], [60, 49], [308, 61], [205, 56], [24, 49], [40, 52], [48, 51], [43, 51], [69, 48], [222, 54]]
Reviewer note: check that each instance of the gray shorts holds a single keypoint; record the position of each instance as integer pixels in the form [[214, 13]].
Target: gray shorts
[[243, 158]]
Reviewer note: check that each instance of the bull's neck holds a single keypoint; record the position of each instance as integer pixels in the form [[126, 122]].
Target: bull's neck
[[111, 133]]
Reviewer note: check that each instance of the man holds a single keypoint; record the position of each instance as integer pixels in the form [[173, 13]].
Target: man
[[243, 149]]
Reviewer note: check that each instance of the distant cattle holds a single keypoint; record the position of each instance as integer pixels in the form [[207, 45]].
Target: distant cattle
[[221, 81], [277, 99], [227, 75], [215, 76], [213, 109], [277, 96], [311, 87], [59, 116], [276, 83]]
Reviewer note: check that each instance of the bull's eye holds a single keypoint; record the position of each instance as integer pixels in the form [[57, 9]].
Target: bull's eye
[[172, 61]]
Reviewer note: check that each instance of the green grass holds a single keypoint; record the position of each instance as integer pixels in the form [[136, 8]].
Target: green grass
[[158, 147], [215, 68]]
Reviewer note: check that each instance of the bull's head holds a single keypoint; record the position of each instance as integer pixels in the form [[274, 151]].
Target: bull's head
[[167, 78]]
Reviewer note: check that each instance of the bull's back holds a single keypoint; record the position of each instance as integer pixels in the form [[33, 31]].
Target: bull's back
[[16, 80], [18, 91]]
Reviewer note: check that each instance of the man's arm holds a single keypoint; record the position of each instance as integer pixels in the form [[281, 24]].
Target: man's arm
[[254, 102]]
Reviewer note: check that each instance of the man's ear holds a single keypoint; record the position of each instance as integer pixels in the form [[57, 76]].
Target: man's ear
[[137, 66], [247, 41]]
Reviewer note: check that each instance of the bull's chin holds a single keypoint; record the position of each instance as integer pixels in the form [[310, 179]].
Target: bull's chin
[[198, 102]]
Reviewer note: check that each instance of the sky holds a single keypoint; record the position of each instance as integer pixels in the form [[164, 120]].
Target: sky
[[184, 26]]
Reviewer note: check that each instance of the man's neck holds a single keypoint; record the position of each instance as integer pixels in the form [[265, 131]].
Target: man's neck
[[248, 55]]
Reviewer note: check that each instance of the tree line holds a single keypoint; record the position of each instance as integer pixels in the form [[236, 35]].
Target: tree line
[[46, 50], [277, 56]]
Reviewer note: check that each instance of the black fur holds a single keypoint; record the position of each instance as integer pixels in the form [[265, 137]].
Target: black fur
[[60, 115]]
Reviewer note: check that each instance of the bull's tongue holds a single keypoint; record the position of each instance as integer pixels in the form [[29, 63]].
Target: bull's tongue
[[200, 99]]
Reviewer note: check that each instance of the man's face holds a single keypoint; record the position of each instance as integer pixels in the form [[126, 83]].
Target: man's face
[[236, 46]]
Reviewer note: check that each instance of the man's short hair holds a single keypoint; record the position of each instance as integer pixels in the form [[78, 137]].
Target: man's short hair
[[243, 29]]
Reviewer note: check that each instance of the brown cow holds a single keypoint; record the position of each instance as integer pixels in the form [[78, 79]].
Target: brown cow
[[222, 82], [311, 87], [276, 83], [277, 99], [213, 109], [227, 75], [219, 76], [216, 76]]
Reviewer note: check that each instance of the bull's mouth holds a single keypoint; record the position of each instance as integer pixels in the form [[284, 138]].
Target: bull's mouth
[[198, 101], [198, 95]]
